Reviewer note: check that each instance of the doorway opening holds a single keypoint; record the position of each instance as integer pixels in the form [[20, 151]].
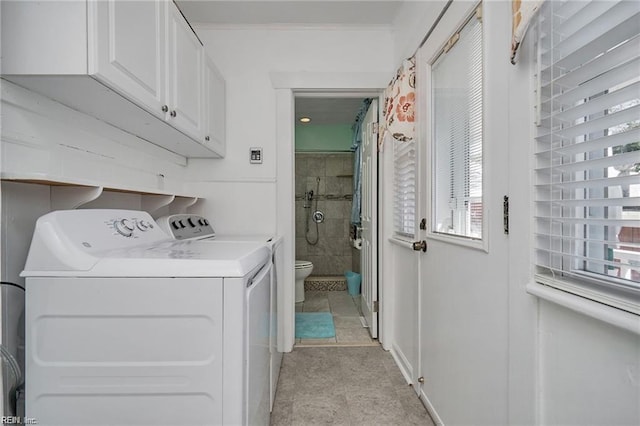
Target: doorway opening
[[327, 240]]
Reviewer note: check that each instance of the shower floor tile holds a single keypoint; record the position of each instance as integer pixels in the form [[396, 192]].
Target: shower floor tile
[[346, 318]]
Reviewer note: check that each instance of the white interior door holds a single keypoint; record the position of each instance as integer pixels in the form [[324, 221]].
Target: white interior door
[[369, 253], [464, 283]]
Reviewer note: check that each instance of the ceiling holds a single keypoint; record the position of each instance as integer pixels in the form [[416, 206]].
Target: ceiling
[[321, 110], [328, 110], [292, 12]]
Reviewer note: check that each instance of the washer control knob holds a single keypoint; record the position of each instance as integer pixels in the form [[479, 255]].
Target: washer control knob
[[201, 222], [191, 223], [175, 224], [143, 225], [181, 224], [124, 227]]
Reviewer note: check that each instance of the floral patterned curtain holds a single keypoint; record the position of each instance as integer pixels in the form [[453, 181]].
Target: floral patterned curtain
[[523, 11], [399, 104]]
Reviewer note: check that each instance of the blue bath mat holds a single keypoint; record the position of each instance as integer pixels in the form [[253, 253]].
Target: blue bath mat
[[314, 325]]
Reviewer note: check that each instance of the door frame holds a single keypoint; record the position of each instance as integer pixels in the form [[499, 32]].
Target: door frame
[[287, 86]]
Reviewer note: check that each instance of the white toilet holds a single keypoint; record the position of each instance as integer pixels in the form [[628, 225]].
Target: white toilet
[[303, 270]]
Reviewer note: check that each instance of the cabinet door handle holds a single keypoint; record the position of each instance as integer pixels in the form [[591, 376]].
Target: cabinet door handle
[[165, 108], [173, 113]]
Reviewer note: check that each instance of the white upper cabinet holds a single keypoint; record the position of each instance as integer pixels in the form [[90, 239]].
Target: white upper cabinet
[[129, 49], [215, 108], [135, 64], [185, 76]]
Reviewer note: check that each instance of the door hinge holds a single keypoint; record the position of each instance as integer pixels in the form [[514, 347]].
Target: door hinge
[[375, 127], [505, 214], [375, 306], [423, 224]]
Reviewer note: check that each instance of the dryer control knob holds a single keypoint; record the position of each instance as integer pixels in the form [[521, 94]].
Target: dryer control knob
[[190, 221], [124, 227], [143, 225]]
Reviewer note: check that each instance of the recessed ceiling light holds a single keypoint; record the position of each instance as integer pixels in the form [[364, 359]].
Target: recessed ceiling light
[[305, 120]]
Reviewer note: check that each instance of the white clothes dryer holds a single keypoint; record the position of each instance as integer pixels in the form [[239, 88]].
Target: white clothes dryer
[[127, 326], [195, 227]]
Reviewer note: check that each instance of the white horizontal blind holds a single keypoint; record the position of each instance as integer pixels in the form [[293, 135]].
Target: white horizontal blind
[[457, 135], [404, 183], [587, 149]]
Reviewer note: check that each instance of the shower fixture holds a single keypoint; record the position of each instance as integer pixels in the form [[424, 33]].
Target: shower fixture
[[317, 216], [308, 197]]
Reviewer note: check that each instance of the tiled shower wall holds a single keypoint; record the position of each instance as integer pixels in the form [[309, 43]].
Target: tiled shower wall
[[332, 254]]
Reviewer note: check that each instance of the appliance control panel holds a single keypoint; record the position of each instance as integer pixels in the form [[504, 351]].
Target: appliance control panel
[[186, 226], [134, 227], [97, 229], [130, 227]]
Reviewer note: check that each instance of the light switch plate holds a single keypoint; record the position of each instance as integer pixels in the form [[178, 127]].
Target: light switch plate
[[255, 155]]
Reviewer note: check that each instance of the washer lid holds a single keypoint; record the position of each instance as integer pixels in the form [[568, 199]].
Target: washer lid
[[169, 259]]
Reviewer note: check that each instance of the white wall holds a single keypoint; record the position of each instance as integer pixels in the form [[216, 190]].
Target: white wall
[[522, 320], [244, 195], [560, 366], [589, 370], [44, 140], [259, 67], [411, 24]]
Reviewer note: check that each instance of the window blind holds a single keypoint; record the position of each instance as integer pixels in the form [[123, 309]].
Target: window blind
[[587, 148], [457, 134], [404, 181]]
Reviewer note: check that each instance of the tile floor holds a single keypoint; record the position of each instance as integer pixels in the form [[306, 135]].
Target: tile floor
[[343, 385], [346, 318]]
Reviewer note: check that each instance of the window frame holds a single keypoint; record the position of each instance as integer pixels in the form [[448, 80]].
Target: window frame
[[482, 243], [598, 295], [403, 234]]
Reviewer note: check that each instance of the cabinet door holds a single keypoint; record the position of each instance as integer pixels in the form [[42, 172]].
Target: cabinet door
[[127, 49], [185, 76], [214, 109]]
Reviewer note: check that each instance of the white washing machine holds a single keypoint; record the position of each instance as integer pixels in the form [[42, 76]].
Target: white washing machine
[[125, 326], [195, 227]]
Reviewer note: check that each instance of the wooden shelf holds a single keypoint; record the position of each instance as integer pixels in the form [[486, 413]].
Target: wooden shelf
[[72, 197], [69, 194]]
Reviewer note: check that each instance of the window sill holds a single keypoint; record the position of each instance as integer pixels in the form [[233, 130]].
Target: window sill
[[614, 316], [401, 241], [459, 240]]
